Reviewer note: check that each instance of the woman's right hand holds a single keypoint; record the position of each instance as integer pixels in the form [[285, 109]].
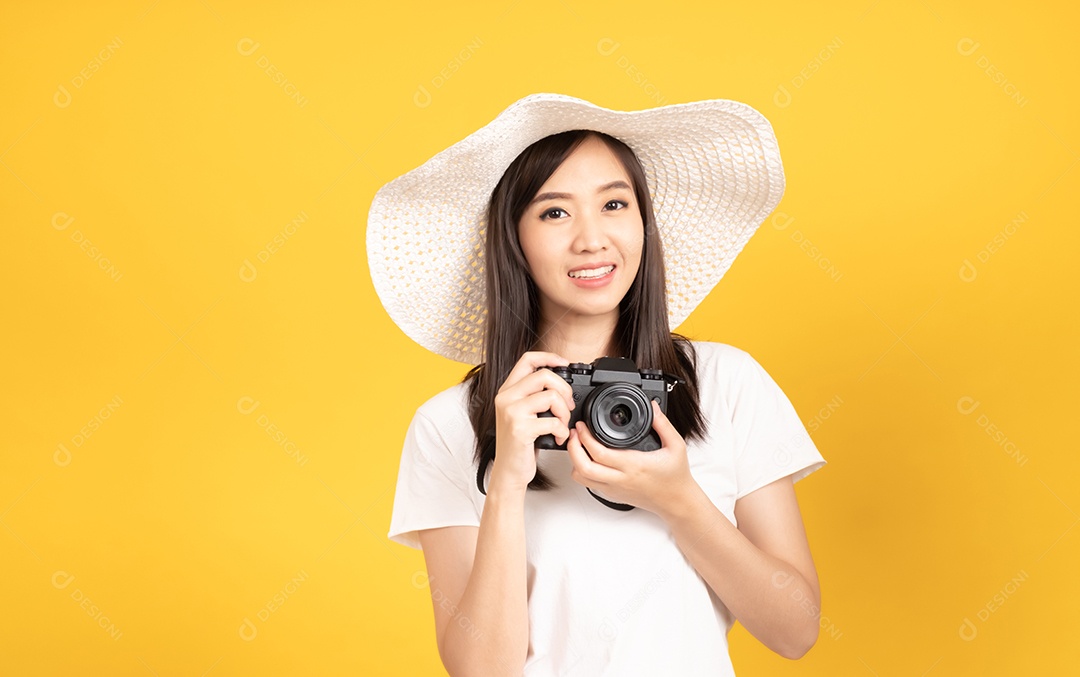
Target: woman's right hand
[[528, 391]]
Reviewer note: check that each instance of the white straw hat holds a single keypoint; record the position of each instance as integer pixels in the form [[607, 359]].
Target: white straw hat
[[714, 174]]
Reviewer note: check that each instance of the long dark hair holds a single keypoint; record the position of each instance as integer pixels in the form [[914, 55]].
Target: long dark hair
[[513, 309]]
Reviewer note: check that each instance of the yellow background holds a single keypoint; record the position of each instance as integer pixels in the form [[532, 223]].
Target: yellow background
[[257, 394]]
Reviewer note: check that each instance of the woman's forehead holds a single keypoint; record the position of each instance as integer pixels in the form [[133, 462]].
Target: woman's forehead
[[591, 167]]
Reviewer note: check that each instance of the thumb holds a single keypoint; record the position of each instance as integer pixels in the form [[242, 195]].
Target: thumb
[[663, 426]]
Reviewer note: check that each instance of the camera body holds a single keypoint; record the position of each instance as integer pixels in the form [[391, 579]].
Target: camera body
[[612, 396]]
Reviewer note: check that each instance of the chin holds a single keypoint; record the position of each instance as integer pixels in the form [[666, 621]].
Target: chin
[[595, 308]]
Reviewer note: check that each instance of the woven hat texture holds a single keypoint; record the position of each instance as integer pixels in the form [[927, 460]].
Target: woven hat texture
[[714, 174]]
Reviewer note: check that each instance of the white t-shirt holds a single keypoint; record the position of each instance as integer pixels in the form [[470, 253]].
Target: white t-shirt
[[610, 592]]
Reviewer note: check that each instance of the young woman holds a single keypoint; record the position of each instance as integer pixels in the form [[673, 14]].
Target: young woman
[[528, 573]]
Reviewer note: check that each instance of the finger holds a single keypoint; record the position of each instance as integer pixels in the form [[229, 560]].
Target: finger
[[538, 381], [663, 426], [549, 426], [585, 457], [590, 483], [578, 455], [597, 451], [542, 402], [545, 379], [583, 465], [530, 362]]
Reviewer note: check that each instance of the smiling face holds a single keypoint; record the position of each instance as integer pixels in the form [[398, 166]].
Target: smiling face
[[582, 235]]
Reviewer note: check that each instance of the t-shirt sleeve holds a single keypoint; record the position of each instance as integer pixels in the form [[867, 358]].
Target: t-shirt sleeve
[[770, 440], [433, 489]]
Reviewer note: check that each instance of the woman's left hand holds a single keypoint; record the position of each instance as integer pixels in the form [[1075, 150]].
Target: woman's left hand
[[653, 480]]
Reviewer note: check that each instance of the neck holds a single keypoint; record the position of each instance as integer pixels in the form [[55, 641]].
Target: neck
[[580, 338]]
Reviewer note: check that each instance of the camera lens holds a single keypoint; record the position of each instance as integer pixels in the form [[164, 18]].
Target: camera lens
[[618, 414]]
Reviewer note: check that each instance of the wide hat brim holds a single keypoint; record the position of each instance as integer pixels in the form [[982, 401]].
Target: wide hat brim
[[714, 174]]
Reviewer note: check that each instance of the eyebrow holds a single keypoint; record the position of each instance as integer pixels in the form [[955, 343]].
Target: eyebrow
[[618, 183]]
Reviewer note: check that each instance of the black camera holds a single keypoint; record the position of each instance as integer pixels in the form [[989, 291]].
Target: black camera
[[612, 396]]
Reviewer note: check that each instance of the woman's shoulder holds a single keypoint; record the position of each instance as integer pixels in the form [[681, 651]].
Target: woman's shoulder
[[451, 402], [713, 355], [734, 372], [444, 418], [727, 369]]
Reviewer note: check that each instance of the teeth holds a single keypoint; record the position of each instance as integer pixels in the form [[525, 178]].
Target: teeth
[[594, 272]]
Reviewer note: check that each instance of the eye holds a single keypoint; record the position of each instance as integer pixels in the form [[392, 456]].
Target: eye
[[620, 204], [546, 215]]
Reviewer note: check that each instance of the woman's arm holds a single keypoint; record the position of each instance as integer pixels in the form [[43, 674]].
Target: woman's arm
[[762, 570], [483, 627], [478, 589]]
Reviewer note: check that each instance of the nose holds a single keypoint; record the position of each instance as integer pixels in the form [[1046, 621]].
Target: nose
[[590, 235]]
